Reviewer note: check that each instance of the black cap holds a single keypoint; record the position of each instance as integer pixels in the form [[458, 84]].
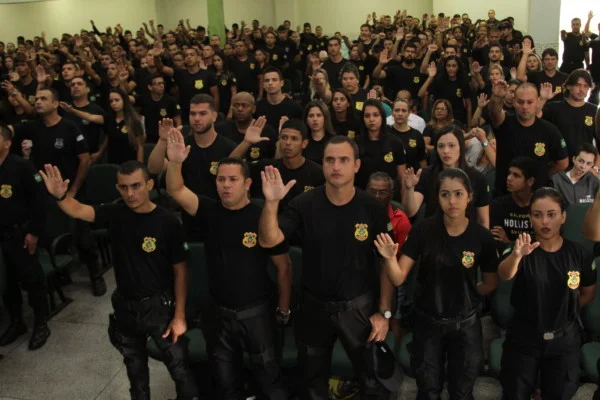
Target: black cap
[[380, 361]]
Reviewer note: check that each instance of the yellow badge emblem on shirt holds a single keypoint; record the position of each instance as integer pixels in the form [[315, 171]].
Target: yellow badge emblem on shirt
[[275, 57], [351, 134], [213, 167], [540, 149], [31, 100], [124, 130], [459, 92], [6, 191], [412, 143], [199, 84], [255, 152], [307, 188], [359, 105], [589, 120], [149, 244], [251, 65], [573, 281], [309, 47], [558, 89], [416, 79], [223, 82], [361, 68], [362, 232], [389, 157], [249, 239], [163, 112], [468, 259]]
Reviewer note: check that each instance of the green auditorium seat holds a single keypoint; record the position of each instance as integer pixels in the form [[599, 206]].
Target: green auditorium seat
[[502, 312], [572, 229], [590, 352]]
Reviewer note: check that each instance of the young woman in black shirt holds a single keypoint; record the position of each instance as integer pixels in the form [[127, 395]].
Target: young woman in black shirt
[[343, 115], [553, 278], [318, 120], [225, 81], [452, 248]]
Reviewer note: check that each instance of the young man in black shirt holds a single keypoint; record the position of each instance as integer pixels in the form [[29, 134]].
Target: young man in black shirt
[[523, 134], [207, 148], [509, 214], [276, 104], [156, 106], [576, 48], [151, 273], [22, 221], [405, 76], [26, 84], [191, 81], [246, 70], [337, 224], [238, 279], [242, 107], [59, 142], [549, 72], [275, 51], [334, 63]]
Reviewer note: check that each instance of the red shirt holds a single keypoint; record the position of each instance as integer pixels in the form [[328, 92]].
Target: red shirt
[[400, 224]]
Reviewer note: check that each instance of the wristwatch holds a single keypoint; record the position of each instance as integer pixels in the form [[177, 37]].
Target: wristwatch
[[485, 144], [283, 314], [597, 169], [387, 314]]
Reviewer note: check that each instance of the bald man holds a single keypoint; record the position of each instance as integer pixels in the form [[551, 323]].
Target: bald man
[[243, 107]]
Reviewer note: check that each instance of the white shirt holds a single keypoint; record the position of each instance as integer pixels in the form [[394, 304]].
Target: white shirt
[[414, 121]]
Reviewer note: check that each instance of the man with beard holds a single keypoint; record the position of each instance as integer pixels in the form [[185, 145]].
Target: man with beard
[[243, 107], [405, 76], [206, 149], [549, 72]]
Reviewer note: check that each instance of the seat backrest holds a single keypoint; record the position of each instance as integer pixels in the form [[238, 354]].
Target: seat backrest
[[197, 274], [100, 185], [57, 223], [502, 310], [572, 229], [590, 315]]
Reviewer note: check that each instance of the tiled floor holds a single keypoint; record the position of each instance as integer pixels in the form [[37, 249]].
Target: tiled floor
[[78, 362]]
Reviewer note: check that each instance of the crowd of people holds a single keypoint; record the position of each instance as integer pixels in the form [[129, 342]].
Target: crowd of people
[[437, 145]]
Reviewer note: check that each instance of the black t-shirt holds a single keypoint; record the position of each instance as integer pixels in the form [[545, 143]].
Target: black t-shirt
[[192, 84], [541, 142], [349, 127], [337, 242], [59, 145], [246, 72], [504, 212], [226, 82], [575, 47], [545, 291], [308, 176], [595, 59], [315, 149], [379, 156], [28, 91], [333, 72], [237, 265], [398, 77], [539, 77], [363, 71], [481, 191], [414, 146], [358, 99], [64, 91], [448, 288], [260, 151], [576, 124], [145, 247], [274, 112], [456, 92], [90, 130], [277, 56], [153, 111], [119, 149]]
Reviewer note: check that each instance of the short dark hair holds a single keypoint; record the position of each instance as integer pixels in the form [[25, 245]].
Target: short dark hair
[[273, 69], [154, 76], [339, 139], [297, 125], [5, 132], [54, 93], [86, 83], [496, 44], [382, 176], [349, 68], [528, 166], [203, 98], [588, 148], [334, 39], [236, 161], [549, 52], [129, 167], [548, 192]]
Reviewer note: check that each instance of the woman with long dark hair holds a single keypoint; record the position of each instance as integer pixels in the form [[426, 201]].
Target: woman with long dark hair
[[452, 249], [225, 81], [125, 135], [553, 278], [318, 120], [343, 116], [419, 188], [379, 150]]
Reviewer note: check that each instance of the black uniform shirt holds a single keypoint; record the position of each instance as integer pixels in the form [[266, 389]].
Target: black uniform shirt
[[414, 146], [349, 127], [575, 47], [237, 265], [246, 73], [274, 112], [119, 149], [449, 289], [90, 130], [192, 84], [22, 196], [504, 212], [154, 111], [338, 252], [539, 77], [259, 151], [333, 72], [455, 92], [315, 149], [545, 291], [398, 77], [379, 155], [145, 248]]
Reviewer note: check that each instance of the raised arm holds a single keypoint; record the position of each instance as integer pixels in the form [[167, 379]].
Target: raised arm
[[251, 137], [432, 72], [93, 118], [497, 114], [522, 67], [269, 233], [157, 161], [411, 200], [396, 271], [378, 72], [177, 152], [523, 247], [57, 187]]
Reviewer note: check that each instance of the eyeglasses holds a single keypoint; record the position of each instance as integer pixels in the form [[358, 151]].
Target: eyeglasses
[[377, 193]]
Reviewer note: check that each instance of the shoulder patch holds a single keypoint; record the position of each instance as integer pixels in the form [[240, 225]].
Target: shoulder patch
[[508, 250], [390, 227], [37, 177]]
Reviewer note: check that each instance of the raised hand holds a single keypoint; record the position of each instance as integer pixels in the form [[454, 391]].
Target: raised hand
[[282, 121], [499, 234], [432, 70], [177, 151], [372, 94], [255, 129], [272, 185], [476, 68], [65, 106], [479, 134], [500, 89], [40, 74], [54, 181], [410, 178], [8, 87], [527, 49], [482, 100], [383, 57], [432, 48], [386, 246], [164, 126], [523, 246], [546, 92]]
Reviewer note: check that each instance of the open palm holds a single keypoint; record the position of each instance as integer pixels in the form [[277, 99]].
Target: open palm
[[272, 184], [54, 182], [177, 151]]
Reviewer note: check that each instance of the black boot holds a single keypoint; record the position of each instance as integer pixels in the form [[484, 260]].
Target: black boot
[[41, 333], [15, 329]]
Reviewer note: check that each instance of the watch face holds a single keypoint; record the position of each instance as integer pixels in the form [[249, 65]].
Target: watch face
[[387, 314]]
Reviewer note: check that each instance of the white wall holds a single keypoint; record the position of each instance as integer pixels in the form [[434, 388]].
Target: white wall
[[518, 9], [56, 17]]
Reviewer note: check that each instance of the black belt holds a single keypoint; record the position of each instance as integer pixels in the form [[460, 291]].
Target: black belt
[[137, 305], [457, 323], [551, 335], [245, 313], [313, 303]]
